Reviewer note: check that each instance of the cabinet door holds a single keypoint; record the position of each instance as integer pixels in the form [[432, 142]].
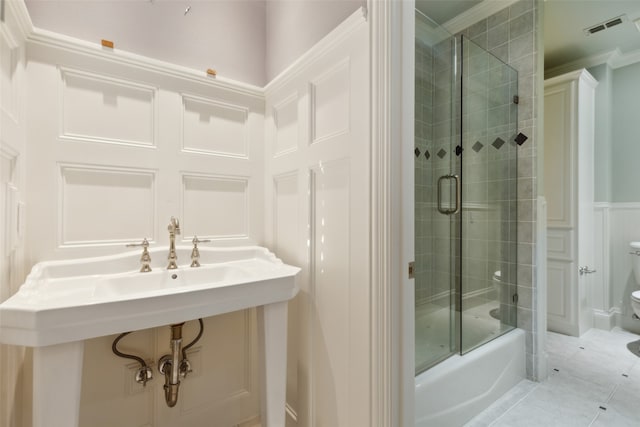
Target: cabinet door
[[559, 185]]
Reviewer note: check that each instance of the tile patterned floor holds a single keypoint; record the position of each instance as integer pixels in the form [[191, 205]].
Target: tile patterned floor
[[594, 381]]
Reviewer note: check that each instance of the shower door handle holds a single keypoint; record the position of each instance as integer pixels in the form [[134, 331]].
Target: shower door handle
[[458, 198]]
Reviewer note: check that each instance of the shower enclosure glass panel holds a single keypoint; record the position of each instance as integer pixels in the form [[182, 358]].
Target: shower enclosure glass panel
[[465, 195], [489, 192], [436, 329]]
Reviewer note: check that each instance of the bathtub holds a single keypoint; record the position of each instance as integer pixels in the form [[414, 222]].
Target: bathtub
[[456, 390]]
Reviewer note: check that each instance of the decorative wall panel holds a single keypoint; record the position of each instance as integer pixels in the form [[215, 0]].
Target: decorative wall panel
[[8, 86], [103, 109], [330, 109], [215, 206], [286, 215], [558, 163], [100, 205], [216, 128], [219, 387], [330, 289], [103, 402], [285, 117], [559, 244]]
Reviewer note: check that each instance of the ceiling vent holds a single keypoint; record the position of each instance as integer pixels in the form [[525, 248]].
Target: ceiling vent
[[605, 25]]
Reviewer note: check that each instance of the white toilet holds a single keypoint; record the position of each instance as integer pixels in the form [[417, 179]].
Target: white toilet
[[635, 296]]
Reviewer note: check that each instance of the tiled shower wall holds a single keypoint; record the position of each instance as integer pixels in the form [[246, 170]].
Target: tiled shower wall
[[511, 35]]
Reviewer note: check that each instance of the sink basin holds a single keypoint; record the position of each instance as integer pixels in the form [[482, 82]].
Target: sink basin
[[73, 300]]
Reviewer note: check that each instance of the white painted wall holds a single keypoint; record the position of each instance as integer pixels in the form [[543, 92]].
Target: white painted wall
[[227, 35], [246, 40], [293, 26], [13, 190]]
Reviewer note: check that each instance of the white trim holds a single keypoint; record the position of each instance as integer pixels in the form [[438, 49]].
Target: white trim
[[581, 74], [386, 397], [24, 26], [624, 59], [338, 34], [624, 205], [477, 13], [604, 320], [50, 39], [601, 205]]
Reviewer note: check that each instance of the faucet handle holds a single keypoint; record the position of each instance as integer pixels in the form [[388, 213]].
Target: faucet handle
[[145, 258], [144, 244], [195, 240], [174, 225], [195, 253]]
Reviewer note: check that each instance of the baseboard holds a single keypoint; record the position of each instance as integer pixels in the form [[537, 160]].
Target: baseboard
[[605, 320]]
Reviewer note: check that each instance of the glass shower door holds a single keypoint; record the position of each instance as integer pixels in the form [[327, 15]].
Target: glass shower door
[[436, 321], [489, 210]]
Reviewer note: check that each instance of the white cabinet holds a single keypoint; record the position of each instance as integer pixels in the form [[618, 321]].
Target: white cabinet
[[568, 187]]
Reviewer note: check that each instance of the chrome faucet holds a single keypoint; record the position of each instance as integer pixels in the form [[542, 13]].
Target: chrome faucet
[[174, 228]]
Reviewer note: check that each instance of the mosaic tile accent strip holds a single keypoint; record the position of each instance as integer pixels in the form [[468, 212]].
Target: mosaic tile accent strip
[[441, 153], [417, 151], [521, 138], [427, 155], [477, 146], [498, 143]]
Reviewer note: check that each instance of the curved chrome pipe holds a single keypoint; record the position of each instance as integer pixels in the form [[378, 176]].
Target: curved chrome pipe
[[169, 365]]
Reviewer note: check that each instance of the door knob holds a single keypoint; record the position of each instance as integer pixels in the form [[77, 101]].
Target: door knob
[[585, 270]]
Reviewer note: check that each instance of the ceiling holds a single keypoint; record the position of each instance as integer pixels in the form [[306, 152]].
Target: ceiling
[[565, 20], [442, 11], [564, 24]]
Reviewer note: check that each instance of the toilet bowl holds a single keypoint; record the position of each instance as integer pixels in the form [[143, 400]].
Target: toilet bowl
[[635, 302], [635, 296], [495, 313]]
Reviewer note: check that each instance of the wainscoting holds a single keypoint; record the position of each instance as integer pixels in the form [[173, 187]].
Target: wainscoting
[[119, 143], [616, 224], [317, 197]]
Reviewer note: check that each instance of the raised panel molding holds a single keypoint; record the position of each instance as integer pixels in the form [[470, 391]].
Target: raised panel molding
[[215, 206], [559, 163], [92, 197], [96, 108], [286, 215], [559, 275], [8, 85], [214, 128], [559, 244], [285, 118], [222, 388], [330, 292], [330, 110]]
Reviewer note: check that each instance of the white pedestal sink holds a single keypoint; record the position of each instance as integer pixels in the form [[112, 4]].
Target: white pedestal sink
[[63, 303]]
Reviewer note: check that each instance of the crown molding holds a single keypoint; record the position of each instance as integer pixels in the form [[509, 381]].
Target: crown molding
[[477, 13], [17, 24], [49, 39], [341, 32], [586, 62], [623, 59], [614, 58]]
